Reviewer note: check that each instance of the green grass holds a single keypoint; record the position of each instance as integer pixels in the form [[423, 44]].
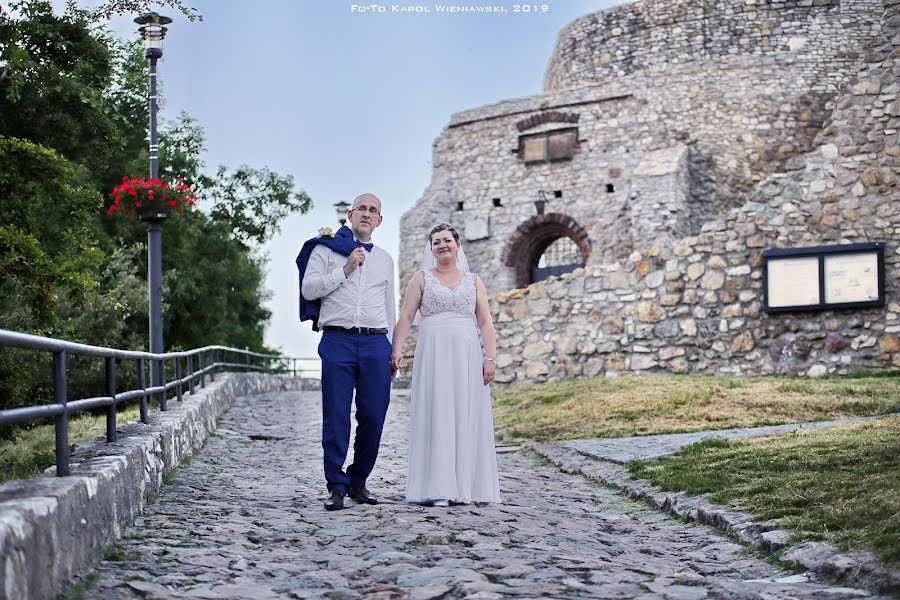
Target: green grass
[[627, 406], [117, 553], [836, 484], [76, 592], [31, 451]]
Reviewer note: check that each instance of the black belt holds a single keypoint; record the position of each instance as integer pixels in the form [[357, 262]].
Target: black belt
[[357, 330]]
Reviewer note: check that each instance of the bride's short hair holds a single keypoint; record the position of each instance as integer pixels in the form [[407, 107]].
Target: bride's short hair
[[443, 227]]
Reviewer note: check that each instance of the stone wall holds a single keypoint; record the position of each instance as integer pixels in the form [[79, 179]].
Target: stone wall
[[741, 115], [655, 34], [695, 305], [764, 159], [53, 527]]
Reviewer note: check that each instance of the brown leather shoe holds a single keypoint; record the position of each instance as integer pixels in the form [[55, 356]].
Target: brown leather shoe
[[335, 501], [363, 496]]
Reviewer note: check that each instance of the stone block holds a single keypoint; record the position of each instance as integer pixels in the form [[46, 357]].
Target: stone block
[[537, 349], [649, 312], [688, 327], [679, 366], [670, 353], [614, 362], [566, 345], [713, 280], [695, 270], [535, 369], [889, 343], [641, 362]]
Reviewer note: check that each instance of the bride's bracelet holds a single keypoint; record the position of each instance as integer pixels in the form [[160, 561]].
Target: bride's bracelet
[[490, 359]]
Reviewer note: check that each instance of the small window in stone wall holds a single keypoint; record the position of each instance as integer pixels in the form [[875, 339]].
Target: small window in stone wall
[[561, 252], [549, 146], [560, 257]]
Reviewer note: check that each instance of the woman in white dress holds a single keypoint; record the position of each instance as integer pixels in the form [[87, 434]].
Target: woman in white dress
[[451, 439]]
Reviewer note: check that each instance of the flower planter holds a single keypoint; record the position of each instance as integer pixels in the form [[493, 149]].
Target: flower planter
[[154, 211], [150, 199]]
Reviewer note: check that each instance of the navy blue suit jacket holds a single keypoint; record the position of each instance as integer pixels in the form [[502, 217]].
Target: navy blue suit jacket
[[343, 243]]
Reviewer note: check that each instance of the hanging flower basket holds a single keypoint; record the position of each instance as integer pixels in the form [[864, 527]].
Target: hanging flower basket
[[150, 199]]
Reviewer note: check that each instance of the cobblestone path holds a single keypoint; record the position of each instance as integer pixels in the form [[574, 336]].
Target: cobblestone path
[[245, 520]]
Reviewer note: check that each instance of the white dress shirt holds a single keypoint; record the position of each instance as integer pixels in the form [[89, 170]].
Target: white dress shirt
[[364, 299]]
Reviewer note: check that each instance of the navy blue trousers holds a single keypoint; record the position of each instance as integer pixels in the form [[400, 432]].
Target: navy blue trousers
[[353, 362]]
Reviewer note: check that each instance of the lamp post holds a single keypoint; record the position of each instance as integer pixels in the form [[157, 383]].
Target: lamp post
[[153, 30], [541, 202], [342, 209]]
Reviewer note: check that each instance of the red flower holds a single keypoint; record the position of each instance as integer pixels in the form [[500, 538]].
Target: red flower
[[135, 195]]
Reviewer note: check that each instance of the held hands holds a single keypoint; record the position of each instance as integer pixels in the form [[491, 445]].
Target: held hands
[[356, 259], [396, 365], [488, 370]]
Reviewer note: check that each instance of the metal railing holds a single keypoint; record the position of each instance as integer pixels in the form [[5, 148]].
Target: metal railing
[[208, 359]]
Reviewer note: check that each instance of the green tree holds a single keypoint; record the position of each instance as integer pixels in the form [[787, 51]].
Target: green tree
[[126, 102], [111, 8], [48, 234], [253, 202], [56, 71], [48, 258], [75, 98], [212, 286]]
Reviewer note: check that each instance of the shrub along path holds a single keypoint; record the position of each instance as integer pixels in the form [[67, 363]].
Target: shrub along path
[[244, 519]]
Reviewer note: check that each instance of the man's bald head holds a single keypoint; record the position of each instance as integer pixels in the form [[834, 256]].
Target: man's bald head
[[367, 199]]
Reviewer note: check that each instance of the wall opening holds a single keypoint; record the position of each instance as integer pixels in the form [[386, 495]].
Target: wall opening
[[561, 256], [544, 246]]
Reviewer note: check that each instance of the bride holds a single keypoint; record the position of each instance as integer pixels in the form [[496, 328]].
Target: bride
[[451, 439]]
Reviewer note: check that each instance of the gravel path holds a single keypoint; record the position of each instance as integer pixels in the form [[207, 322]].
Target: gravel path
[[245, 520]]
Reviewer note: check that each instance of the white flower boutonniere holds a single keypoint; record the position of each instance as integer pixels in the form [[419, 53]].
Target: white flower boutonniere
[[326, 232]]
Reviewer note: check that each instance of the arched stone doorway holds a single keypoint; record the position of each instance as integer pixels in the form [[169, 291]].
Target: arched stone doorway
[[546, 245]]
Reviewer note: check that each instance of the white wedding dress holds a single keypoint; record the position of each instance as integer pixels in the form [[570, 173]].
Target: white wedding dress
[[451, 438]]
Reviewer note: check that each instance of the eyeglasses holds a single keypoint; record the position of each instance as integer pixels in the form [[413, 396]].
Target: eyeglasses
[[369, 209]]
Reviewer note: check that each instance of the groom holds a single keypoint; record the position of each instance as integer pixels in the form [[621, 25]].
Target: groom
[[357, 315]]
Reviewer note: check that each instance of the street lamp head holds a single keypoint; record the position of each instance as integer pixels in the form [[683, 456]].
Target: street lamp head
[[342, 208], [153, 30], [541, 202]]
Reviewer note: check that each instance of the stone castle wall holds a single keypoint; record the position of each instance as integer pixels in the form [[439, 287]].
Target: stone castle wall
[[653, 35], [696, 306], [741, 116], [683, 176]]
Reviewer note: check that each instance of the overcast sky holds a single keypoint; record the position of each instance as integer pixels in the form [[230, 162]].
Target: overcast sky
[[345, 101]]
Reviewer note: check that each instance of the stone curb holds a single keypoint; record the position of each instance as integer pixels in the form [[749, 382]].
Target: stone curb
[[53, 527], [859, 568]]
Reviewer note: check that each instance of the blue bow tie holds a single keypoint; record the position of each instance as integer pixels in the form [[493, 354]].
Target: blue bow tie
[[368, 246]]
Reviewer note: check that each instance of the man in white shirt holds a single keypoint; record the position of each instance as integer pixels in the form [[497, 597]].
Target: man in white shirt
[[357, 317]]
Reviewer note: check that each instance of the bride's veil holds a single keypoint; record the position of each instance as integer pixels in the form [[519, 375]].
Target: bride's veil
[[428, 261]]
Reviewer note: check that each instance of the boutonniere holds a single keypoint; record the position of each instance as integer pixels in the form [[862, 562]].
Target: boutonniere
[[326, 232]]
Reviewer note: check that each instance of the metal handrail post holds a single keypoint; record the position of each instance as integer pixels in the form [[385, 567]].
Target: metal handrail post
[[163, 396], [179, 387], [142, 377], [202, 372], [190, 359], [62, 420], [111, 392], [212, 364]]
